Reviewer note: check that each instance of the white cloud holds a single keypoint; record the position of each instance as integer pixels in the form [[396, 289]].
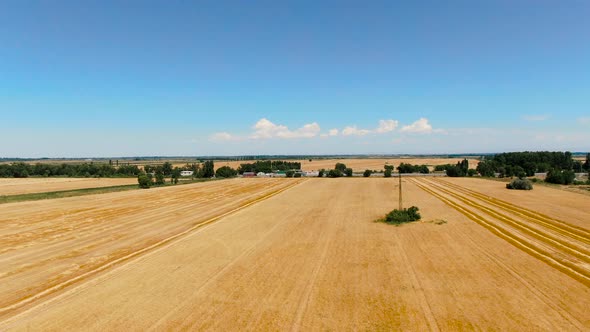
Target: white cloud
[[536, 117], [584, 120], [222, 136], [354, 131], [264, 129], [330, 133], [386, 126], [421, 126]]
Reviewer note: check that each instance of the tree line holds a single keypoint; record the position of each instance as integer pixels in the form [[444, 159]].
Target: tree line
[[461, 169], [23, 170], [559, 166], [409, 168], [268, 166], [155, 175]]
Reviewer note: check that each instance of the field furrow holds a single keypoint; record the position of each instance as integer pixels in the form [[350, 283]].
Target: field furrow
[[547, 236], [310, 258], [516, 234], [560, 226], [55, 250]]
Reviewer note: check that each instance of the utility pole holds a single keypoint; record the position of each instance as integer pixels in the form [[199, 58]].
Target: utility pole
[[400, 191]]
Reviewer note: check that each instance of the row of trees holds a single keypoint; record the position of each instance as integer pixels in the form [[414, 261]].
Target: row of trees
[[528, 163], [409, 168], [461, 169], [559, 166], [155, 175], [23, 170], [267, 166]]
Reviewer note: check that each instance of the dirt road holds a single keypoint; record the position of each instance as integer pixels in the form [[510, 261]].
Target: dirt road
[[311, 258]]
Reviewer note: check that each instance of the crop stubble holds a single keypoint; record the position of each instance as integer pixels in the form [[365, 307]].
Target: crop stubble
[[47, 246], [311, 258], [13, 186]]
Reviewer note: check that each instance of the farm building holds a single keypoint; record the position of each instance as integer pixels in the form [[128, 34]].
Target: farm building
[[249, 175], [311, 174], [186, 173], [262, 175], [279, 174]]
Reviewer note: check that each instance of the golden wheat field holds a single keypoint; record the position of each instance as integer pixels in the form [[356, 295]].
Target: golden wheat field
[[298, 254], [360, 164], [15, 186]]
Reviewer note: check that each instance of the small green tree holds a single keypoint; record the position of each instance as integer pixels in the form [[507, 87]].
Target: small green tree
[[321, 173], [348, 172], [367, 173], [560, 177], [160, 177], [334, 173], [208, 169], [586, 164], [226, 172], [486, 169], [144, 181], [167, 169], [398, 217], [387, 172], [454, 171], [423, 169], [341, 167]]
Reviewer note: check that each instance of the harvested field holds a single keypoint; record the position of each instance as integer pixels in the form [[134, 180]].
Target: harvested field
[[359, 165], [560, 244], [52, 244], [309, 258], [12, 186]]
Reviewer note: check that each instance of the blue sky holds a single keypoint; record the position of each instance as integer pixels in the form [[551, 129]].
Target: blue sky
[[128, 78]]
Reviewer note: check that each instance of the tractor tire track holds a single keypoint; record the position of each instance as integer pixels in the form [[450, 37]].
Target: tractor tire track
[[566, 267], [539, 234], [557, 225]]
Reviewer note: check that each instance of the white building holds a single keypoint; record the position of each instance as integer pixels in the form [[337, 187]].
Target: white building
[[186, 173]]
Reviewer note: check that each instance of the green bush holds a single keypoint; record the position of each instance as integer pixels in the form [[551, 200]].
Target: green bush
[[560, 177], [387, 173], [297, 175], [321, 173], [348, 172], [520, 184], [454, 171], [225, 172], [334, 173], [145, 182], [341, 167], [403, 216], [160, 178], [367, 173], [290, 174]]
